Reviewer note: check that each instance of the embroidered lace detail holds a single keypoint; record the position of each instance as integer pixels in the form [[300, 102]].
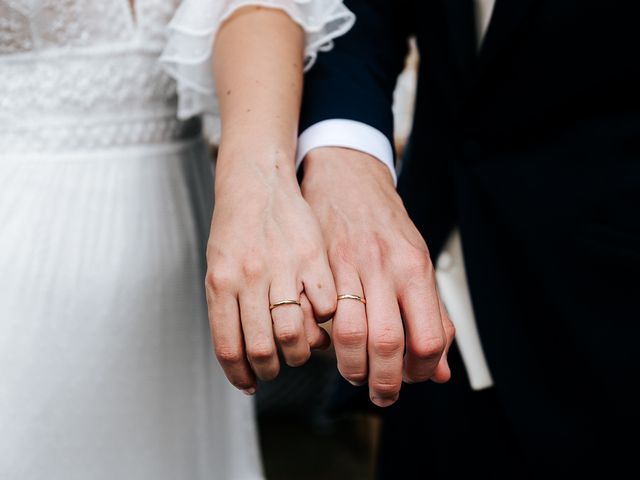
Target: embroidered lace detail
[[80, 22], [84, 84], [30, 25], [83, 74], [93, 134], [15, 29], [152, 18], [88, 101], [33, 25], [86, 63]]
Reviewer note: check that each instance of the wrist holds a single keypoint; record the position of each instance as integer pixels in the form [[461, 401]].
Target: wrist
[[334, 164], [247, 169]]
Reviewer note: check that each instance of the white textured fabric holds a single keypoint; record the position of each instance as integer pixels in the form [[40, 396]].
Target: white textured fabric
[[106, 368], [348, 134], [192, 31], [454, 290], [105, 359], [483, 13]]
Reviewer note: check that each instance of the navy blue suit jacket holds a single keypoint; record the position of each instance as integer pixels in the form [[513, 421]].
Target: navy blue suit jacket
[[531, 147]]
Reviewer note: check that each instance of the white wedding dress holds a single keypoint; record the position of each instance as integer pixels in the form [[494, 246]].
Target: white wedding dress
[[106, 369]]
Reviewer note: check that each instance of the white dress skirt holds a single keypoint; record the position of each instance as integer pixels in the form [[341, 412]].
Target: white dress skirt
[[106, 365]]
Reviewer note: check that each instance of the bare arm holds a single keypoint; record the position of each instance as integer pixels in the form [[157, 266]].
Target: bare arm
[[265, 244], [258, 71]]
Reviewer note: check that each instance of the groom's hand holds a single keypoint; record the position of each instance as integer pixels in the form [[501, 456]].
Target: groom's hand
[[375, 251]]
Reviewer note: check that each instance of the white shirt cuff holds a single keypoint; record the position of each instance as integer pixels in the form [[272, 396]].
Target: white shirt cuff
[[347, 134]]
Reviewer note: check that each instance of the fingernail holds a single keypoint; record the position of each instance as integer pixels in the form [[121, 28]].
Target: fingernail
[[384, 402], [249, 391], [356, 384]]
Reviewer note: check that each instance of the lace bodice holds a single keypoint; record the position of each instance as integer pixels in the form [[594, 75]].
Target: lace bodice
[[33, 26], [84, 74]]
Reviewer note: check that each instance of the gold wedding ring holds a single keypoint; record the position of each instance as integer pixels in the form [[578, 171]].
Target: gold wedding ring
[[283, 302], [348, 296]]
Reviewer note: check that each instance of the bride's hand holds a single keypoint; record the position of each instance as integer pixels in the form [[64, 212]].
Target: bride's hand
[[265, 247]]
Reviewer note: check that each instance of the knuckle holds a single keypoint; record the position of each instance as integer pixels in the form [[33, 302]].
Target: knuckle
[[241, 383], [326, 307], [388, 344], [261, 352], [289, 336], [417, 263], [428, 349], [450, 330], [417, 377], [355, 376], [350, 335], [226, 354], [219, 279], [385, 389], [298, 359], [253, 268], [269, 373]]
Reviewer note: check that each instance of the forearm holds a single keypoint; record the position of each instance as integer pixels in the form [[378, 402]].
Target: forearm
[[357, 80], [258, 69]]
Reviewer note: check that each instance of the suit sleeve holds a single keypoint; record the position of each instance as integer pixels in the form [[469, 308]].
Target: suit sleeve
[[356, 80]]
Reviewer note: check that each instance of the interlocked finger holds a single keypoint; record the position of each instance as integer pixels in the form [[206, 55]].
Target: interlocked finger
[[349, 329], [288, 322], [258, 332]]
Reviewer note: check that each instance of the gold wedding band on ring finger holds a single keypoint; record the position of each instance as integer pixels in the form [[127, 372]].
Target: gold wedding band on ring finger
[[349, 296], [282, 303]]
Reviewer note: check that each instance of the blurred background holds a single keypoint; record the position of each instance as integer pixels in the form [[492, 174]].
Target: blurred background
[[300, 434]]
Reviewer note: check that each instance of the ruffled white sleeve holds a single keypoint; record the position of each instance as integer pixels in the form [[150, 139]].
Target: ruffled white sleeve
[[187, 54]]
